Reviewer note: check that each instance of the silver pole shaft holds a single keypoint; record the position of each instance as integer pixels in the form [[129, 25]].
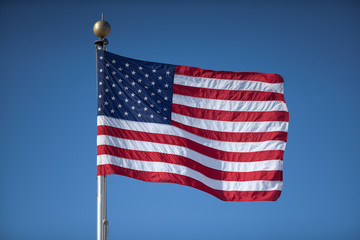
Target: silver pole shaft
[[102, 223]]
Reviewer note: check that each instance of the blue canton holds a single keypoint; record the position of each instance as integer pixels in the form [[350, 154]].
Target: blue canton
[[134, 90]]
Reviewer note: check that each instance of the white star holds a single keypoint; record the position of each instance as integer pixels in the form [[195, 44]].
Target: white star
[[152, 105], [139, 91], [99, 109], [160, 77], [113, 61], [140, 68], [113, 85], [126, 100], [146, 87], [154, 70], [120, 92], [113, 98], [165, 118], [166, 85], [119, 106], [133, 83], [138, 101], [139, 115], [120, 80], [158, 111], [101, 57], [152, 83], [107, 77], [133, 107], [145, 108], [133, 72], [133, 94], [165, 98], [167, 73], [152, 94], [139, 80], [120, 69], [107, 65], [145, 98], [159, 90], [126, 88], [126, 113], [106, 90], [112, 110], [106, 103], [100, 96], [165, 109], [158, 101], [113, 73], [151, 116], [146, 75], [127, 65], [100, 83], [101, 70], [126, 76]]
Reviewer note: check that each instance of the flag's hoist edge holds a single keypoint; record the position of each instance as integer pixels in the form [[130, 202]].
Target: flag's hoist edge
[[227, 138]]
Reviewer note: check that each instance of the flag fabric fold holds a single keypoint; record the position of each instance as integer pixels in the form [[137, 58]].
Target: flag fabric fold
[[221, 132]]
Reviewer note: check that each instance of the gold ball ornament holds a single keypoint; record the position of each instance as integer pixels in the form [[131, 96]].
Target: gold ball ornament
[[101, 28]]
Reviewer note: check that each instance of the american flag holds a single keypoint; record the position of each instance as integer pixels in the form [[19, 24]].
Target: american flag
[[221, 132]]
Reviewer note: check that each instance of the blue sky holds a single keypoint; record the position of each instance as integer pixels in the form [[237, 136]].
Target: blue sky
[[48, 121]]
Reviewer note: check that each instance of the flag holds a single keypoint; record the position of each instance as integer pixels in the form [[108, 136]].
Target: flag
[[221, 132]]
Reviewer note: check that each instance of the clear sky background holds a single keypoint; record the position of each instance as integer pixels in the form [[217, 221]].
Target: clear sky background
[[48, 116]]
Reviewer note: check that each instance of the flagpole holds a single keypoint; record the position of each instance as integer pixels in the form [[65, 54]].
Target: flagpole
[[101, 29]]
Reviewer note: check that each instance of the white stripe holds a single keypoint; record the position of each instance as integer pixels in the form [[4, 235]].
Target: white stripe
[[185, 171], [269, 165], [222, 126], [244, 85], [229, 105], [227, 126]]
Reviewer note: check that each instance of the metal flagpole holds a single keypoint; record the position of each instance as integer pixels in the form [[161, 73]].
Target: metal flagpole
[[101, 29]]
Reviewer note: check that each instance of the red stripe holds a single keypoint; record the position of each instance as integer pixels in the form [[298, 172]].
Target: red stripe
[[187, 162], [234, 137], [183, 142], [241, 196], [251, 76], [220, 115], [227, 94]]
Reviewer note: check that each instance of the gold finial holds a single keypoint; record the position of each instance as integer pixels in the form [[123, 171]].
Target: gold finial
[[101, 28]]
